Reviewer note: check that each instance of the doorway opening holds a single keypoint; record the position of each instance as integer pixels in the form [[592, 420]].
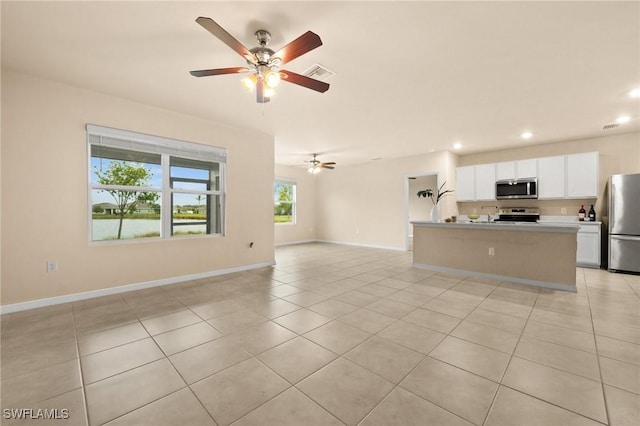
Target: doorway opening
[[415, 208]]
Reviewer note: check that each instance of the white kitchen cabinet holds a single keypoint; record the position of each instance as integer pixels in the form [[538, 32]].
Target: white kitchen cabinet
[[582, 175], [562, 176], [506, 170], [527, 168], [588, 250], [517, 169], [485, 176], [465, 184], [551, 177]]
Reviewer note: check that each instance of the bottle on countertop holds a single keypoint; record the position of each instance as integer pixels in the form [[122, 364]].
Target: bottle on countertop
[[592, 214], [581, 213]]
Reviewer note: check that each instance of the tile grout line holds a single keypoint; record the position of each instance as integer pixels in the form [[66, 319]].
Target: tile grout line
[[290, 385], [504, 372], [139, 321], [338, 356], [537, 398], [595, 341], [188, 386], [82, 385], [398, 385], [424, 356]]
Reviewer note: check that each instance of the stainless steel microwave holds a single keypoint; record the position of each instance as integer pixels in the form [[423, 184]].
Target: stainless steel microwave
[[510, 189]]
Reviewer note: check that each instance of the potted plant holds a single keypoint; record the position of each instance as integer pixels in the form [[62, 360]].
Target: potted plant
[[435, 198]]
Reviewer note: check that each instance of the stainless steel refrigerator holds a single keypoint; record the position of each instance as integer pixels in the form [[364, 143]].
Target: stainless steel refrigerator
[[624, 223]]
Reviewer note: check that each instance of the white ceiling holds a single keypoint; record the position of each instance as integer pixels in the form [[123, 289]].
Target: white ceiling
[[411, 77]]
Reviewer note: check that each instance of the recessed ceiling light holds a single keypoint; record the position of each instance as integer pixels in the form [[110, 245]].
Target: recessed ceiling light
[[526, 135], [623, 119], [457, 145], [635, 93]]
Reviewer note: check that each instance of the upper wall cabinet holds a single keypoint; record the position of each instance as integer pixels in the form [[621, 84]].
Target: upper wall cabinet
[[476, 183], [527, 168], [506, 170], [517, 169], [568, 176], [465, 184], [485, 181], [582, 175], [563, 176], [551, 177]]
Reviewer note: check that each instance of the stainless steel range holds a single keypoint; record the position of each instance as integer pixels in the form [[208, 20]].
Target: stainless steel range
[[517, 215]]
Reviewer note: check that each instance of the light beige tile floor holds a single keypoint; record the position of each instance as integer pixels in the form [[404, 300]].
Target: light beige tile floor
[[333, 335]]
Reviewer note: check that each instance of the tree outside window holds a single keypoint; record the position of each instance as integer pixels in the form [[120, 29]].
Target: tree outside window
[[119, 174], [284, 208], [125, 187]]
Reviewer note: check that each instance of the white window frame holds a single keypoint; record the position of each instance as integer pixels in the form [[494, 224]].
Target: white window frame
[[166, 148], [294, 207]]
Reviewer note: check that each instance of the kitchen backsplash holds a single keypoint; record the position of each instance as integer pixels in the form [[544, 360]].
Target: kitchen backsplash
[[547, 207]]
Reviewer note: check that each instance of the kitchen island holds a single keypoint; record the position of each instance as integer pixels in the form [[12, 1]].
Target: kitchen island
[[537, 254]]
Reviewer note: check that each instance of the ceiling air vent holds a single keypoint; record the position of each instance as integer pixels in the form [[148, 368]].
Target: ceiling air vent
[[319, 72], [610, 126]]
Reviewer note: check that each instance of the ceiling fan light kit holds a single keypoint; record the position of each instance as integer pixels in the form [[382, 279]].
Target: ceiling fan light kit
[[263, 64], [315, 166]]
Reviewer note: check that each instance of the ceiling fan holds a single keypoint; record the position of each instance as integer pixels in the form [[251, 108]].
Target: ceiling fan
[[263, 64], [315, 165]]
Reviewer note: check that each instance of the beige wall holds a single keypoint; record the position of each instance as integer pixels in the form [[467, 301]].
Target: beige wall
[[305, 227], [44, 194], [618, 154], [365, 204]]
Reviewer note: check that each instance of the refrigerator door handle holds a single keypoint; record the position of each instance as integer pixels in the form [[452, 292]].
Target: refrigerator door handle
[[625, 237], [611, 204]]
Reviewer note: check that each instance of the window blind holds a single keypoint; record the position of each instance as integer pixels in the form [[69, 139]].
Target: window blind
[[115, 138]]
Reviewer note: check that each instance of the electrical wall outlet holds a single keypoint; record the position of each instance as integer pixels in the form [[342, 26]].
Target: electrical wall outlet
[[563, 210], [492, 251], [52, 266]]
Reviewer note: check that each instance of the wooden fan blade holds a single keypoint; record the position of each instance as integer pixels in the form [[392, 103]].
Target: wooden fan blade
[[298, 47], [218, 71], [215, 29], [327, 167], [304, 81], [330, 163]]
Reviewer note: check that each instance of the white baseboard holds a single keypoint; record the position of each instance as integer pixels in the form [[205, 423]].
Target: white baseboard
[[346, 243], [535, 283], [57, 300], [293, 243]]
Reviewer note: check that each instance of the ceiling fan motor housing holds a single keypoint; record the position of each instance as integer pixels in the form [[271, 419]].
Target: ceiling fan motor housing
[[262, 54]]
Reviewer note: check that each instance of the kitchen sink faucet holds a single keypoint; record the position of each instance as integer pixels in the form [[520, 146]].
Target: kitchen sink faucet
[[490, 217]]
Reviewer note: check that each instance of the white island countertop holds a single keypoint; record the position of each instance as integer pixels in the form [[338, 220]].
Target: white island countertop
[[570, 227]]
